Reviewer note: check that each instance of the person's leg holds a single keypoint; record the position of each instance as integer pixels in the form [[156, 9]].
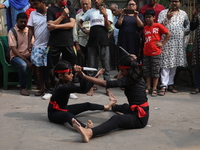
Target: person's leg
[[22, 67], [105, 59], [172, 74], [164, 81], [155, 72], [92, 56], [147, 72], [52, 59], [128, 121], [69, 55], [196, 80], [124, 108]]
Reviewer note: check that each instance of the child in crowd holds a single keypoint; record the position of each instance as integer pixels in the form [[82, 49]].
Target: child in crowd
[[58, 110], [135, 113], [152, 50]]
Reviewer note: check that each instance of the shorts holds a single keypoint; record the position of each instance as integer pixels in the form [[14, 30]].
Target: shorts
[[39, 56], [151, 66]]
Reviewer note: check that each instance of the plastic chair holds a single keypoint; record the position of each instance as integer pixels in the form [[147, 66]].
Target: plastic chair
[[8, 68]]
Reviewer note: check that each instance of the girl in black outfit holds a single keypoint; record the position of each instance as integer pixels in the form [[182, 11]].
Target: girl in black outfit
[[58, 110], [135, 113]]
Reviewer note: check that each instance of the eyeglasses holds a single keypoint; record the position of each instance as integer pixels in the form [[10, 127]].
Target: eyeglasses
[[174, 1], [131, 4]]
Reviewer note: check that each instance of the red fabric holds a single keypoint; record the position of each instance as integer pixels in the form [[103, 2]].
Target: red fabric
[[28, 11], [153, 35], [158, 8], [62, 71], [124, 67], [56, 106], [141, 112]]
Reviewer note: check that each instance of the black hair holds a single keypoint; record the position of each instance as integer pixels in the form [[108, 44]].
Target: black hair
[[179, 1], [129, 1], [150, 12], [61, 65], [44, 1], [135, 70], [22, 15]]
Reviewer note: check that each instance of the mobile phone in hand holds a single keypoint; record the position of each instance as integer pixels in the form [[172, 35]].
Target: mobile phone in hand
[[129, 11]]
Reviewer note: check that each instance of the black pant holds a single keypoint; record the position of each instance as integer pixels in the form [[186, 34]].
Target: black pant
[[129, 120], [53, 57], [63, 116]]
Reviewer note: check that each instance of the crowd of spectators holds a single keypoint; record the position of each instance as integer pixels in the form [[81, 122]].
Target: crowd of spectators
[[47, 34]]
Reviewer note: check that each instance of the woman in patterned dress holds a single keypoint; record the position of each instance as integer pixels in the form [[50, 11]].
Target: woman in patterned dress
[[173, 52], [195, 25]]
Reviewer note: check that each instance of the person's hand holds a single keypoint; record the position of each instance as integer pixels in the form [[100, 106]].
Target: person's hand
[[134, 56], [100, 72], [136, 14], [159, 44], [170, 14], [65, 12], [78, 69], [194, 12], [78, 48], [2, 6], [51, 26], [102, 10], [122, 13]]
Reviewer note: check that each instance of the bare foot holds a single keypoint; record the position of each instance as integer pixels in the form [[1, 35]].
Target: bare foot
[[110, 104], [85, 133], [109, 93], [95, 87], [89, 124], [90, 92]]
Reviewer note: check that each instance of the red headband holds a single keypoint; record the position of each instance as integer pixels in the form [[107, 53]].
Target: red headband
[[124, 67], [62, 71]]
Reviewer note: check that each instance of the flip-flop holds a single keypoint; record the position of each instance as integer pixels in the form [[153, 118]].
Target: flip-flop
[[195, 91]]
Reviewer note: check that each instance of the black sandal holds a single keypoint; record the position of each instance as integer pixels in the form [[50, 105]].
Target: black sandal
[[154, 93], [195, 91], [172, 89], [162, 92]]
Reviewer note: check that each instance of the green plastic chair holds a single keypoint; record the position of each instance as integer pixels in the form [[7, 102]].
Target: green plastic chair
[[8, 68]]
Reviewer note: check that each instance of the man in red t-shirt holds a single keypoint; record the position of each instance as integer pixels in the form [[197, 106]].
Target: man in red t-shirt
[[152, 49], [153, 5]]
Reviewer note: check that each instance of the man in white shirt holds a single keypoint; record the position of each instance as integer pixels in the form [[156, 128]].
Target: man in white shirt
[[98, 45], [38, 27]]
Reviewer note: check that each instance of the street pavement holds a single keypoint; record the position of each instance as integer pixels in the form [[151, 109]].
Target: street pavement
[[174, 123]]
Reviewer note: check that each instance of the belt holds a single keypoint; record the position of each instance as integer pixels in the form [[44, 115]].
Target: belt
[[141, 112], [56, 106]]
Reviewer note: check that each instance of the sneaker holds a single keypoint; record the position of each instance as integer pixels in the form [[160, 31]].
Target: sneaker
[[46, 96], [73, 96]]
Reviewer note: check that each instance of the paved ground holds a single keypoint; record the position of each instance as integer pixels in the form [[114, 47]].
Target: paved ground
[[174, 124]]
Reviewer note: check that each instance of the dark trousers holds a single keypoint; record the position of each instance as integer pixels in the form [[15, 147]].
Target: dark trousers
[[129, 120], [62, 116]]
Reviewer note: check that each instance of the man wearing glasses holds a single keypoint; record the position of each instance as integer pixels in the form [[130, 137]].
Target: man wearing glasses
[[173, 52]]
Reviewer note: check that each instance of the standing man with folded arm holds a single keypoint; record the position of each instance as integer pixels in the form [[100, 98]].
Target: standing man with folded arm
[[61, 21]]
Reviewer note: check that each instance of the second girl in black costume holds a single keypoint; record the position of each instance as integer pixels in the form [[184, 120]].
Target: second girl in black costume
[[135, 113]]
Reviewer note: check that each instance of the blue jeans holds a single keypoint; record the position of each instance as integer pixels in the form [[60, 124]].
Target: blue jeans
[[22, 67], [197, 76]]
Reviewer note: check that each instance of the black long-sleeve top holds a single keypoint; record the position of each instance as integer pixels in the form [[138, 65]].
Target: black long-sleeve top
[[135, 92], [62, 92]]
